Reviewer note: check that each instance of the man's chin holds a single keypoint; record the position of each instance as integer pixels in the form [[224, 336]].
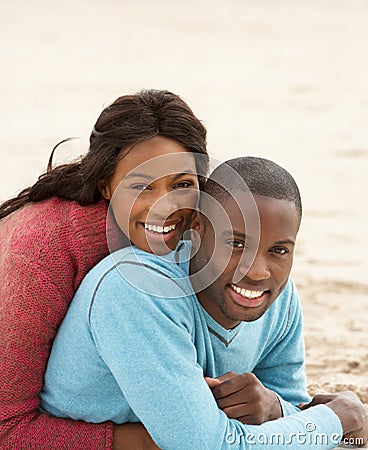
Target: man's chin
[[250, 315]]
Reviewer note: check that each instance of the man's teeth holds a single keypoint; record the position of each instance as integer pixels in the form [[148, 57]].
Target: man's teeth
[[246, 292], [158, 229]]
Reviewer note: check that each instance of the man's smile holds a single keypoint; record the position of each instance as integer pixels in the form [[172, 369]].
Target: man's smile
[[247, 297]]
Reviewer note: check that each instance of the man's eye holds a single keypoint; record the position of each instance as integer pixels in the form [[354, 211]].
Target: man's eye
[[280, 250]]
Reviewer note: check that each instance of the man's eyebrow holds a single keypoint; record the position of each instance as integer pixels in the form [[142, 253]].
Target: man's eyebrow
[[284, 242], [150, 177], [238, 234]]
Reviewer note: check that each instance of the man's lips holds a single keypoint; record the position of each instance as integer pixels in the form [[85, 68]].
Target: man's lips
[[247, 297]]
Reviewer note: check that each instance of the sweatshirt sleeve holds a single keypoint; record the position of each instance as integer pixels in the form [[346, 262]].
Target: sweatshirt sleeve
[[147, 342], [31, 309], [282, 368]]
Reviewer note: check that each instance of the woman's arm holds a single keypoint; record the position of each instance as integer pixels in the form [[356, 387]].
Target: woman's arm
[[31, 309], [132, 436]]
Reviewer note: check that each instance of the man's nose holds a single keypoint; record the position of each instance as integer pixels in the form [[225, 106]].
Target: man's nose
[[256, 270]]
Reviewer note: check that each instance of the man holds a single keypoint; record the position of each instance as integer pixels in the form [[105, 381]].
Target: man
[[137, 343]]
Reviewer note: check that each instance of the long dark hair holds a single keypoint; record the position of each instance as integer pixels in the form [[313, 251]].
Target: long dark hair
[[127, 121]]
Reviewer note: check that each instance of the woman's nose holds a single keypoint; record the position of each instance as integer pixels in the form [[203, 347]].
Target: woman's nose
[[165, 204]]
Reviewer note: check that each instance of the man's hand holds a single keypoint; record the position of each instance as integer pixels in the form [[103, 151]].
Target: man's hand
[[243, 397], [352, 413]]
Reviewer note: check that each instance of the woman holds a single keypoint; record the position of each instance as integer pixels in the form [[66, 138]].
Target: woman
[[52, 234]]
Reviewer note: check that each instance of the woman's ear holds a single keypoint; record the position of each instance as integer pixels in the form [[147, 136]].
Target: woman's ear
[[195, 225], [104, 188], [196, 231]]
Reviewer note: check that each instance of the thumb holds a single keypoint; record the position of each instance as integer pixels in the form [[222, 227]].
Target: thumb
[[212, 382], [303, 405]]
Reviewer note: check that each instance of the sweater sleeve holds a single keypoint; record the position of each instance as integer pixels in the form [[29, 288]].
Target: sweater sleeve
[[31, 309], [146, 341], [282, 368]]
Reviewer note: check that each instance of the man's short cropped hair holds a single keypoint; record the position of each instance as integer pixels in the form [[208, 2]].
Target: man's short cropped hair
[[252, 174]]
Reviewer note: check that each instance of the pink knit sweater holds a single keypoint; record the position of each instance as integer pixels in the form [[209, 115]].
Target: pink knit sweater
[[45, 251]]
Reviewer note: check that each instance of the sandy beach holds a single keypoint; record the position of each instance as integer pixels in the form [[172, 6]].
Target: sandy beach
[[285, 80]]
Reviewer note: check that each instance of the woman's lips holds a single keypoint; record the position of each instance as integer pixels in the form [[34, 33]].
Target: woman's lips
[[161, 233]]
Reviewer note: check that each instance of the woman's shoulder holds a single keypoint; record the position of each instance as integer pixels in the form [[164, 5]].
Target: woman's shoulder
[[51, 222], [51, 213]]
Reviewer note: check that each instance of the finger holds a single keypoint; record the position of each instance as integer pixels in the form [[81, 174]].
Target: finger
[[251, 419], [212, 382], [248, 414], [243, 396], [234, 384], [237, 411], [303, 405], [227, 376], [319, 399]]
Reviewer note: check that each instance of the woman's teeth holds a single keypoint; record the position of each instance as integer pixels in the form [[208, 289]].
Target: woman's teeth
[[246, 292], [158, 229]]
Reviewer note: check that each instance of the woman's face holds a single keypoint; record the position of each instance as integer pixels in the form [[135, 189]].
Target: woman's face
[[153, 193]]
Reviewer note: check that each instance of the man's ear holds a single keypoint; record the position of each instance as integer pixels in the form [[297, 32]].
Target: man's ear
[[104, 188]]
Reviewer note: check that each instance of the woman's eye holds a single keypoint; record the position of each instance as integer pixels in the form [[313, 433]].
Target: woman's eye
[[236, 244], [140, 187], [184, 184]]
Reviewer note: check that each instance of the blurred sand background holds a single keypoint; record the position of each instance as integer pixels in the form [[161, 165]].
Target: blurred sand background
[[281, 79]]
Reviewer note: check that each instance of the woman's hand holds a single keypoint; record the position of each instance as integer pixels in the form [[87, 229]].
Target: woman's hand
[[132, 436]]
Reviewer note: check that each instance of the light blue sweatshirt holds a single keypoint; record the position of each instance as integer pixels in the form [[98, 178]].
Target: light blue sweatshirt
[[136, 344]]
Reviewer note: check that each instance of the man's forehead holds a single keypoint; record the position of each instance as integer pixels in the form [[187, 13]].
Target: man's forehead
[[240, 206], [245, 216], [235, 214], [240, 214]]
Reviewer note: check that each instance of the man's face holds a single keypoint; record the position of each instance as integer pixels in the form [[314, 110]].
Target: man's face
[[249, 275]]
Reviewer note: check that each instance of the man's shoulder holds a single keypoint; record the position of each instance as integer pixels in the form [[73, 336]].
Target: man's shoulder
[[133, 269], [287, 303]]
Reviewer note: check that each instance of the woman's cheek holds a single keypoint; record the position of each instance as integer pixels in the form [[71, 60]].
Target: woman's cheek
[[123, 209], [188, 200]]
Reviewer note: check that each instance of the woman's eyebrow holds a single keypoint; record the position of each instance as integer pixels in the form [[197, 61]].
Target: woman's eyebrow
[[139, 175], [150, 177], [184, 173]]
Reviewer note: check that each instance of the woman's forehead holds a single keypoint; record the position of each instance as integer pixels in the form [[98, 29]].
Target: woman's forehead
[[162, 166]]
